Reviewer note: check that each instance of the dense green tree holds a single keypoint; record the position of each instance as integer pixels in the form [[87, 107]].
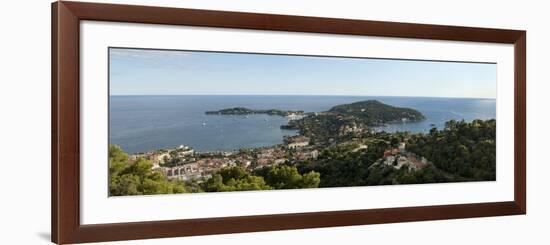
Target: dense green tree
[[287, 177], [118, 160], [460, 152], [342, 166], [429, 174], [374, 112], [137, 178], [234, 179], [464, 149], [310, 180]]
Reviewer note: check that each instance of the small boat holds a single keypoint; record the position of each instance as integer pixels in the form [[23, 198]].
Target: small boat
[[203, 124]]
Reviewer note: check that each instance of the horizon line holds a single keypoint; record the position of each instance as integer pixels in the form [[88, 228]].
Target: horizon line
[[410, 96]]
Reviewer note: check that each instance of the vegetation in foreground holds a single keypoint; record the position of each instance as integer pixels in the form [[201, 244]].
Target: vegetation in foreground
[[139, 178], [460, 152]]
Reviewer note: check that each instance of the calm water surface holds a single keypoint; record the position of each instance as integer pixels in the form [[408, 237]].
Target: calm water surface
[[142, 123]]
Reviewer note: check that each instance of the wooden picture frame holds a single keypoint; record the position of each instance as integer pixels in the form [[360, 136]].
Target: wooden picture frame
[[65, 174]]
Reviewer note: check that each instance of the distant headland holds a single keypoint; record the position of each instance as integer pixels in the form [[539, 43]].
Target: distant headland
[[247, 111], [370, 112]]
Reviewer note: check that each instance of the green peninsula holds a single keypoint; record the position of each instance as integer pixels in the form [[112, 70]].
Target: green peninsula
[[247, 111], [349, 120], [374, 112]]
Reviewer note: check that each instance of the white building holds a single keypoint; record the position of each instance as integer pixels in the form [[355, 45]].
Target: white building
[[401, 147], [297, 141]]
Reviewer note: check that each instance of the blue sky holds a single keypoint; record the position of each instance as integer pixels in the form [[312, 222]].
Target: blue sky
[[161, 72]]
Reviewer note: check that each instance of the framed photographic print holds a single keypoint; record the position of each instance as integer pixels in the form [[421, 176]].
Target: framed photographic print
[[177, 122]]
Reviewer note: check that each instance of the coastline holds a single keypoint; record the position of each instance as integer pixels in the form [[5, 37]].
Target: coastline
[[395, 152], [256, 131]]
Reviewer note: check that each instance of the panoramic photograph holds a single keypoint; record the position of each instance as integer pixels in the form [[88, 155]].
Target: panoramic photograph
[[204, 121]]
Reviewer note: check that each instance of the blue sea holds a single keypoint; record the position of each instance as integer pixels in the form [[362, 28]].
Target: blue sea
[[143, 123]]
